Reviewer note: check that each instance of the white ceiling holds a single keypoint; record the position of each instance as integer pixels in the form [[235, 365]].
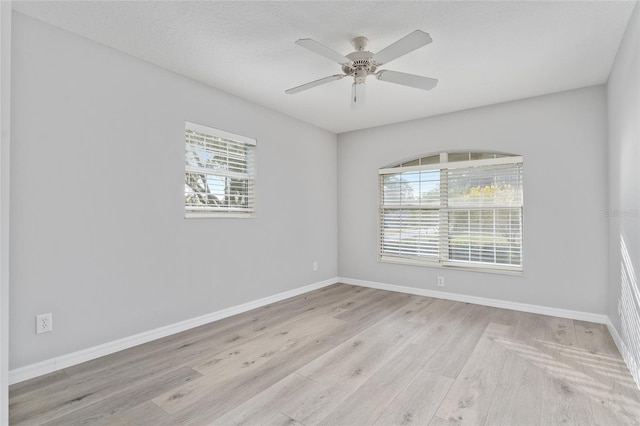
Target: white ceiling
[[482, 52]]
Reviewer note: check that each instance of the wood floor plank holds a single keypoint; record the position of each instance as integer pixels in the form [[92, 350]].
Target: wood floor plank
[[503, 316], [437, 421], [246, 357], [368, 402], [434, 310], [418, 402], [365, 405], [187, 404], [377, 303], [590, 385], [243, 361], [282, 420], [478, 316], [313, 401], [77, 395], [467, 402], [103, 411], [361, 355], [518, 396], [603, 379], [215, 402], [564, 404], [452, 355], [87, 388], [554, 388], [442, 322], [266, 404], [19, 390], [145, 414], [595, 338], [341, 371], [254, 353]]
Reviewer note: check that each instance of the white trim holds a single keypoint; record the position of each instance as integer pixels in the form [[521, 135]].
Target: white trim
[[5, 145], [496, 303], [461, 266], [220, 215], [64, 361], [453, 165], [622, 348], [220, 133]]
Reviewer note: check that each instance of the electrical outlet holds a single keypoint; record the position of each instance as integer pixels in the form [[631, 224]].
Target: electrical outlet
[[315, 265], [440, 281], [44, 323]]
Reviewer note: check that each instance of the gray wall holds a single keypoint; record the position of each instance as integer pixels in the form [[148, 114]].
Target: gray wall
[[624, 188], [563, 140], [98, 236]]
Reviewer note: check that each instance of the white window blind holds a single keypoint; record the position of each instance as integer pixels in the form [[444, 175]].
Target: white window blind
[[219, 173], [462, 213]]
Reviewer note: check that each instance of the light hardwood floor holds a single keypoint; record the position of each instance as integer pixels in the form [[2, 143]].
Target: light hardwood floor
[[346, 355]]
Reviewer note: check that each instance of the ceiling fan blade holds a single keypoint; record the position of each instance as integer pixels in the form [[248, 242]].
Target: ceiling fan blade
[[323, 50], [411, 80], [406, 44], [314, 84]]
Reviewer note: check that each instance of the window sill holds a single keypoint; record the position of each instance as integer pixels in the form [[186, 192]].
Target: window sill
[[452, 266], [221, 215]]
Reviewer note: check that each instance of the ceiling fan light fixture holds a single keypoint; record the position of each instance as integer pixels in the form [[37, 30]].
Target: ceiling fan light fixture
[[360, 76]]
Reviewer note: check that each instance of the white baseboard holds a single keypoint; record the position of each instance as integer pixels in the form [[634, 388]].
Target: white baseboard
[[617, 339], [50, 365], [622, 348], [496, 303]]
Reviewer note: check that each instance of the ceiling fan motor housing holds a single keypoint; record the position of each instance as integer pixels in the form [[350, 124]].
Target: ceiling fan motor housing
[[361, 65]]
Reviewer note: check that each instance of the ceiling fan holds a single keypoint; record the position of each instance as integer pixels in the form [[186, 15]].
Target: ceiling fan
[[362, 63]]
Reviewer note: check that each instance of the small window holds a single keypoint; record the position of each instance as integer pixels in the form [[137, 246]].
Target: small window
[[219, 173], [465, 211]]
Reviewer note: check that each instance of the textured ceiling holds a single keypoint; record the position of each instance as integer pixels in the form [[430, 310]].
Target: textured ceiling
[[482, 52]]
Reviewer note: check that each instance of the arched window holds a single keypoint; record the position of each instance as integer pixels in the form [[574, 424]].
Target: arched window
[[459, 209]]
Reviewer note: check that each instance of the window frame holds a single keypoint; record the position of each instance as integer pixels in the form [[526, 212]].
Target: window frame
[[443, 238], [250, 175]]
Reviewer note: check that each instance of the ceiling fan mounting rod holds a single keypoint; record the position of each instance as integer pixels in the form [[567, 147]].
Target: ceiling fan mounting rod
[[360, 43]]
